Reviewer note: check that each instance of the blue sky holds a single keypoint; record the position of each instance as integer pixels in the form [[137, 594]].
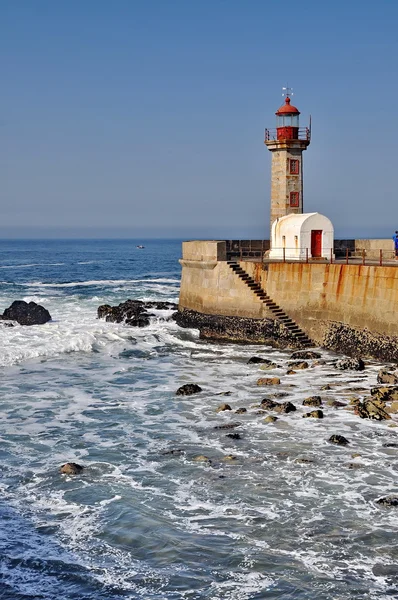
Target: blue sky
[[146, 118]]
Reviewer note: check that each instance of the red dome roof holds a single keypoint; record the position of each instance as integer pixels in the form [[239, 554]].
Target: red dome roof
[[286, 109]]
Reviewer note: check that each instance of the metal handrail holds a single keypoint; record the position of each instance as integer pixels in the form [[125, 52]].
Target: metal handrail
[[304, 133]]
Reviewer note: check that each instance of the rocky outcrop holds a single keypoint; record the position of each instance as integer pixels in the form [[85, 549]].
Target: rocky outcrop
[[305, 355], [350, 364], [372, 408], [312, 401], [285, 407], [26, 313], [388, 501], [339, 440], [242, 329], [354, 341], [387, 394], [268, 381], [132, 312], [384, 376], [315, 414], [223, 407], [188, 389], [298, 364]]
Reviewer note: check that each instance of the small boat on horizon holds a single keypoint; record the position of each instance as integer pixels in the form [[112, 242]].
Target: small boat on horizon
[[140, 247]]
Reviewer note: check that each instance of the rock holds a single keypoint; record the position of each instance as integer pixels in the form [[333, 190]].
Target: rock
[[188, 389], [229, 458], [132, 312], [173, 452], [354, 465], [372, 409], [353, 400], [390, 445], [312, 401], [227, 426], [351, 364], [223, 394], [315, 414], [285, 407], [161, 305], [268, 381], [291, 372], [384, 376], [202, 458], [326, 387], [223, 407], [268, 404], [234, 436], [393, 408], [335, 403], [303, 460], [71, 469], [26, 314], [305, 355], [269, 367], [340, 440], [270, 419], [388, 501], [255, 360], [388, 394], [298, 365], [241, 411]]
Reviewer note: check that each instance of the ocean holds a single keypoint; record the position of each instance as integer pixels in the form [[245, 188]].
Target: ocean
[[168, 505]]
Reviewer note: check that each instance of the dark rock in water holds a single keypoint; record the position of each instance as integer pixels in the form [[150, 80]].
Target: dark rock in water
[[340, 440], [132, 312], [305, 355], [174, 452], [255, 360], [304, 460], [297, 364], [384, 376], [268, 381], [188, 389], [241, 411], [234, 436], [390, 445], [315, 414], [312, 401], [285, 407], [270, 419], [71, 468], [351, 364], [268, 404], [223, 407], [335, 403], [227, 426], [388, 501], [26, 314], [372, 409], [224, 394], [6, 323]]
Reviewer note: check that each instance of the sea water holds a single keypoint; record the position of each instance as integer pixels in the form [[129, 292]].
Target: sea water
[[279, 513]]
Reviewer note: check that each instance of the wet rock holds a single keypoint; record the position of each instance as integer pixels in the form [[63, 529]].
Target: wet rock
[[340, 440], [390, 445], [227, 426], [351, 364], [270, 419], [305, 355], [223, 394], [241, 411], [388, 394], [202, 458], [303, 460], [229, 458], [326, 387], [234, 436], [280, 395], [188, 389], [388, 501], [312, 401], [353, 400], [268, 381], [298, 365], [268, 404], [6, 323], [161, 305], [132, 312], [384, 376], [291, 372], [261, 412], [335, 403], [354, 465], [269, 367], [26, 313], [223, 407], [315, 414], [173, 452], [256, 360], [372, 409], [393, 408], [71, 469], [285, 407]]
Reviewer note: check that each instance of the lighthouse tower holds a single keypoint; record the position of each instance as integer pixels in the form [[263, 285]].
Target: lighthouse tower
[[287, 143]]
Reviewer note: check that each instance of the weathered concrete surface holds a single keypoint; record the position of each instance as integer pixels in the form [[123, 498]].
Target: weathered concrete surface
[[348, 308]]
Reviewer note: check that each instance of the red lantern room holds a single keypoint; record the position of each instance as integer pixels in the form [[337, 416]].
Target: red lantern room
[[287, 122]]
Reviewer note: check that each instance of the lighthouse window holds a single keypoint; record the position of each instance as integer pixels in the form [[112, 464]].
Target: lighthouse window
[[294, 166], [294, 199]]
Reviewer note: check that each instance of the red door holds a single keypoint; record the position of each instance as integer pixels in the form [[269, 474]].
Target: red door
[[316, 243]]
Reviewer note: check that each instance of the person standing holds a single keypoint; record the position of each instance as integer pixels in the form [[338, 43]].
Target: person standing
[[395, 238]]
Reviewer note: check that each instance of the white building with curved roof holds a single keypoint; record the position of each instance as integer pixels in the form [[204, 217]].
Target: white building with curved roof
[[302, 236]]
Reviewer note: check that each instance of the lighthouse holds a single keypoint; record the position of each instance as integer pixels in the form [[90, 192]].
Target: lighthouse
[[287, 143]]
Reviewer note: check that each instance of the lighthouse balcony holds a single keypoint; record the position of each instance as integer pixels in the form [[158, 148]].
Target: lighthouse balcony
[[288, 133]]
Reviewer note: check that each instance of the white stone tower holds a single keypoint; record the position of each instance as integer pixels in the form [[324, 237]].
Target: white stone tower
[[287, 143]]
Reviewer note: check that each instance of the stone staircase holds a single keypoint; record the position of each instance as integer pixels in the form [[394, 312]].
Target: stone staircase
[[276, 310]]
